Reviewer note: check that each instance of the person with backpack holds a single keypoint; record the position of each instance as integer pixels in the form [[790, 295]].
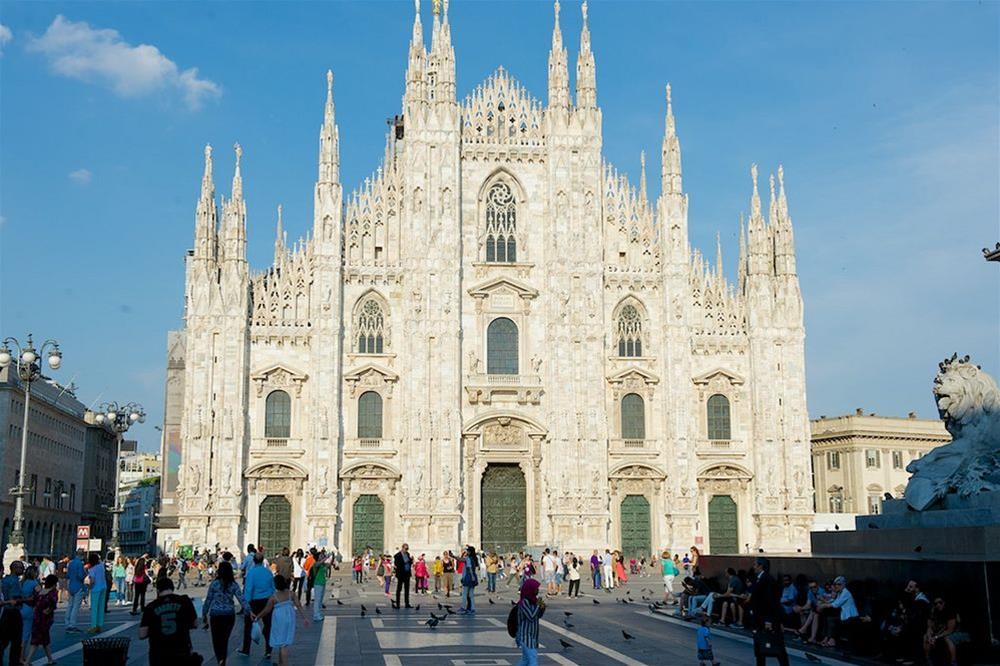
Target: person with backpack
[[182, 569], [523, 620]]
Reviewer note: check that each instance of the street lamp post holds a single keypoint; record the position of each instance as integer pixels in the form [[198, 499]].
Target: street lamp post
[[118, 419], [29, 368]]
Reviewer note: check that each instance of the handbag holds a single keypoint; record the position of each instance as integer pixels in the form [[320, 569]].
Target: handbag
[[768, 643], [257, 631]]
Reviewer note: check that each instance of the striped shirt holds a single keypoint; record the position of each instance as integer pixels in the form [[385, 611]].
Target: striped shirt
[[528, 615]]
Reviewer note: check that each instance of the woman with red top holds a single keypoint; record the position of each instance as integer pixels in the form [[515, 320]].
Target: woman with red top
[[141, 580]]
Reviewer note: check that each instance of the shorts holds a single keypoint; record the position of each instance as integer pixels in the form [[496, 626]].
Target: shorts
[[559, 579], [706, 655], [668, 582], [550, 577]]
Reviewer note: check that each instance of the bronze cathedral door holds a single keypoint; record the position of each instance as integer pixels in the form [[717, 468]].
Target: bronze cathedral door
[[505, 510], [275, 524]]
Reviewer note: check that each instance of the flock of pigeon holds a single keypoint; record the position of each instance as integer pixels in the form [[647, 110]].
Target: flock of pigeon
[[434, 620]]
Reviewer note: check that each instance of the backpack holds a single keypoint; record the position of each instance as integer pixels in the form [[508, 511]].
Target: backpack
[[512, 621]]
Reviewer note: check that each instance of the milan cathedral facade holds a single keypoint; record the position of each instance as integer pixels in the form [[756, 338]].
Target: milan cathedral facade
[[496, 339]]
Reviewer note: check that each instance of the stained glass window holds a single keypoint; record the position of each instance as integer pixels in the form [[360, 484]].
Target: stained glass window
[[278, 415], [629, 332], [718, 417], [371, 328], [501, 224], [501, 347]]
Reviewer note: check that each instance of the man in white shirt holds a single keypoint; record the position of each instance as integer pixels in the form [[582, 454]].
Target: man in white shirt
[[549, 572], [606, 566]]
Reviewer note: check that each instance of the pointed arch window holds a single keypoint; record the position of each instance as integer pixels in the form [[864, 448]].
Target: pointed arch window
[[629, 332], [370, 415], [718, 417], [633, 417], [370, 327], [501, 347], [278, 415], [501, 224]]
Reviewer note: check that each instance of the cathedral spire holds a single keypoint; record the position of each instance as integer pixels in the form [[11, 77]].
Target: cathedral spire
[[718, 254], [586, 75], [206, 220], [329, 139], [440, 71], [784, 243], [742, 264], [642, 179], [782, 200], [237, 194], [772, 208], [418, 28], [558, 68], [760, 243], [755, 214], [670, 164], [280, 240], [233, 242]]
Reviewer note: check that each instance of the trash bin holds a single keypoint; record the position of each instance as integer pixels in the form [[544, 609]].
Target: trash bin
[[110, 651]]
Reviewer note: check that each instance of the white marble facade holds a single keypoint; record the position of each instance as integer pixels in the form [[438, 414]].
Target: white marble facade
[[495, 206]]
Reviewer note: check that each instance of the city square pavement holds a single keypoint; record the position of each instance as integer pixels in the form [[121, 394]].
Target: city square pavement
[[401, 638]]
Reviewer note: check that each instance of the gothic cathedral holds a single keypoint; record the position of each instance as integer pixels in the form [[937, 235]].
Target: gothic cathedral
[[496, 339]]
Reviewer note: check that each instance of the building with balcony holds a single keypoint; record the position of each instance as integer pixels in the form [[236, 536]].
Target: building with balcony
[[858, 458]]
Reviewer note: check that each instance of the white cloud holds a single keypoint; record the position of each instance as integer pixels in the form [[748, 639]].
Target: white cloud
[[78, 51], [81, 176], [5, 36]]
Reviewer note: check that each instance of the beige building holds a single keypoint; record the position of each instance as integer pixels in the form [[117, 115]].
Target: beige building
[[859, 457]]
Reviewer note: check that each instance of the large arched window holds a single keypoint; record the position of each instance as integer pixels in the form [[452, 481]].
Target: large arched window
[[501, 347], [629, 332], [718, 417], [501, 224], [370, 415], [278, 415], [370, 327], [633, 417]]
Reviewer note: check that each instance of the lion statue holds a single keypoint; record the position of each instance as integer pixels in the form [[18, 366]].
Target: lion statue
[[968, 401]]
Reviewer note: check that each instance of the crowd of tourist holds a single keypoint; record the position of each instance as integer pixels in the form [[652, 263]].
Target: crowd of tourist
[[268, 591], [830, 614]]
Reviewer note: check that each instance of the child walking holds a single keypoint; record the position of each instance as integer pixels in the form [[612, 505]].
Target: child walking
[[704, 639], [420, 571], [44, 616], [282, 606]]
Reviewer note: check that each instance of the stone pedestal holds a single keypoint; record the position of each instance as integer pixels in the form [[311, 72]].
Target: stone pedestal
[[959, 528]]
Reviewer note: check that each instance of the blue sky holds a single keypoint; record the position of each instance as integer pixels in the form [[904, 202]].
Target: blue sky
[[885, 116]]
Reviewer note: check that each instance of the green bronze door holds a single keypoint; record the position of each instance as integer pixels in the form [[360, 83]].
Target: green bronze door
[[723, 536], [368, 524], [505, 511], [636, 540], [275, 524]]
